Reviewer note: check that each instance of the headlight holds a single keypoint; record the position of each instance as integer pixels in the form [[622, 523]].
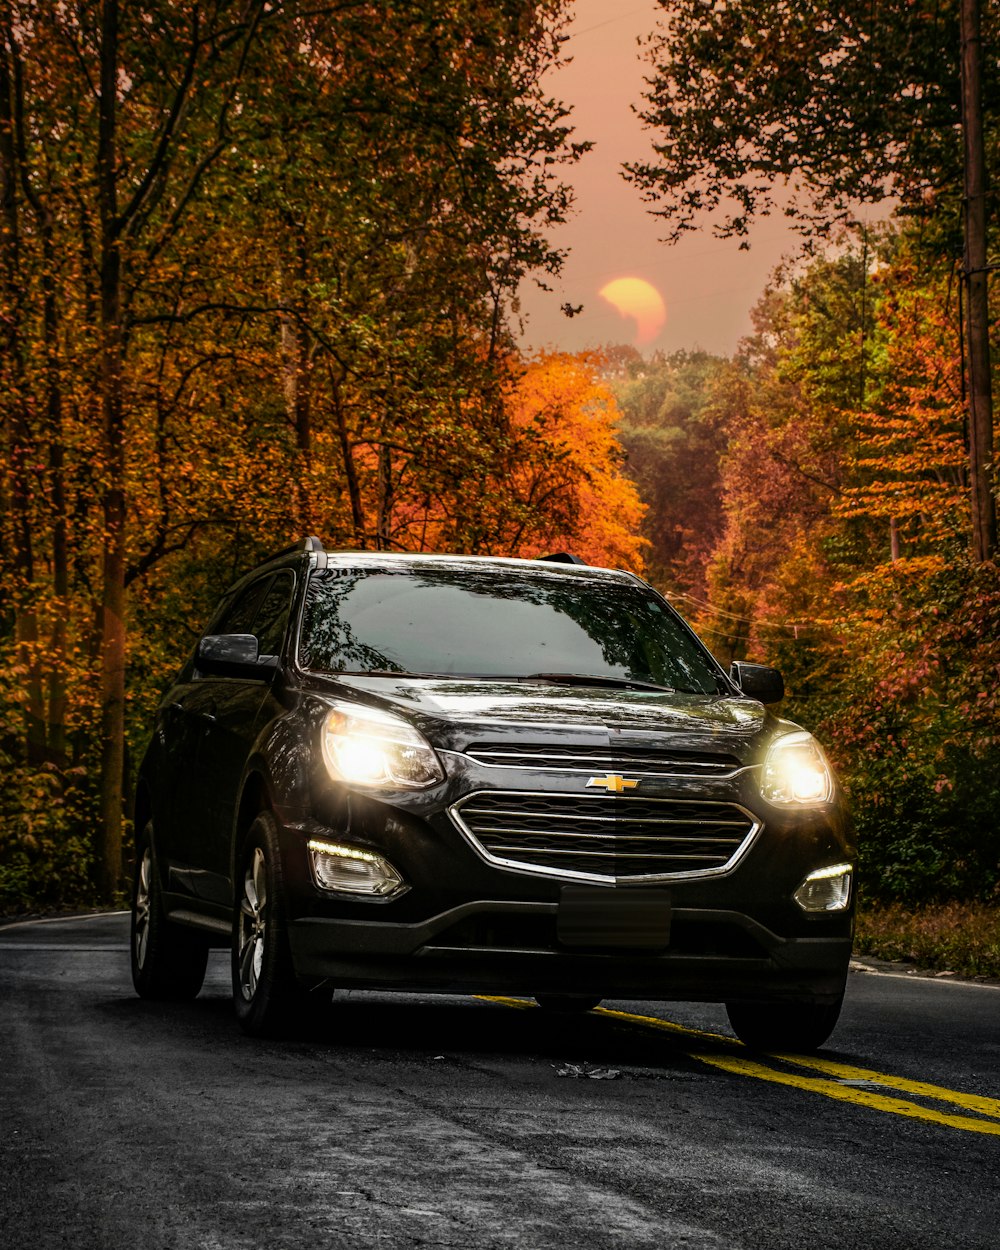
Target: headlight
[[369, 747], [796, 773]]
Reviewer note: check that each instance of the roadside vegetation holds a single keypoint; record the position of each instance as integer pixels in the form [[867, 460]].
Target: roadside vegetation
[[828, 455], [963, 938]]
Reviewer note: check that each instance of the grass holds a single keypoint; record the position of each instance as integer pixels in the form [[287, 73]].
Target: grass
[[955, 937]]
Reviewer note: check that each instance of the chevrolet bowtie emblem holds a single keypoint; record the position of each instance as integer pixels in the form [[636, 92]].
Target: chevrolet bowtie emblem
[[613, 782]]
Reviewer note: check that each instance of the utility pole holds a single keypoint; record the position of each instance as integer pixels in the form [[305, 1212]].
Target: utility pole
[[981, 475]]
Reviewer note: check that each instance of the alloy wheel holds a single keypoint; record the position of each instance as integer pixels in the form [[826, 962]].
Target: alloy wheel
[[253, 924], [142, 908]]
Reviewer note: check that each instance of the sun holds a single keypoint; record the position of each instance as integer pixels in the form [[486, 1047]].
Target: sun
[[636, 298]]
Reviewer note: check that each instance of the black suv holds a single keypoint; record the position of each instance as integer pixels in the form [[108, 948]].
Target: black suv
[[456, 773]]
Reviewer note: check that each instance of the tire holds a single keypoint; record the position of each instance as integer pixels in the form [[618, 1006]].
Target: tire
[[784, 1026], [269, 999], [568, 1003], [168, 960]]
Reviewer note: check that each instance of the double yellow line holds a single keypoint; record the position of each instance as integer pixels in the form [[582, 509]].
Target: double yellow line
[[838, 1080]]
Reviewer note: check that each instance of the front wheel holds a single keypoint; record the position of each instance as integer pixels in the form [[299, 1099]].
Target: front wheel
[[268, 997], [784, 1026], [168, 960]]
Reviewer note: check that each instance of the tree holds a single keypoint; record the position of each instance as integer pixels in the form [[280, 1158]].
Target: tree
[[839, 106], [674, 444], [908, 469], [569, 490], [246, 243]]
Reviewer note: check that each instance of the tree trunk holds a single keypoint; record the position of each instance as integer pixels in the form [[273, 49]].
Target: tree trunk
[[112, 613], [984, 527], [297, 375], [350, 468], [893, 539], [20, 437], [55, 728], [383, 536]]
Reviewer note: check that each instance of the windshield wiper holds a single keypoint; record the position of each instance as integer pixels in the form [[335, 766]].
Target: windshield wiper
[[586, 679]]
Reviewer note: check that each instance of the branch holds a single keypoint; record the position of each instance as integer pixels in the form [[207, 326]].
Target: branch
[[160, 548], [222, 139], [159, 162], [797, 468]]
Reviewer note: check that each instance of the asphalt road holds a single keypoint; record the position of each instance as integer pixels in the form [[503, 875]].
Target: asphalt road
[[420, 1121]]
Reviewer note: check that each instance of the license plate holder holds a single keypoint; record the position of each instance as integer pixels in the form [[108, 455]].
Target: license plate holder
[[610, 917]]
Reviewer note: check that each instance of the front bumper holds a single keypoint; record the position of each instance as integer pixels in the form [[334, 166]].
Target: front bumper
[[512, 947]]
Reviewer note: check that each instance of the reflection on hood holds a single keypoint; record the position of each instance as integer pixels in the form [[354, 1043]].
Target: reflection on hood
[[452, 712]]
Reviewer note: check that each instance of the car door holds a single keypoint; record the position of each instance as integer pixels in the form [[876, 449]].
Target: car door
[[192, 714], [241, 706]]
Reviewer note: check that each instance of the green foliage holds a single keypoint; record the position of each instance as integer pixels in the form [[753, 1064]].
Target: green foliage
[[837, 104], [673, 444], [840, 558], [916, 724], [294, 278], [46, 856], [45, 817]]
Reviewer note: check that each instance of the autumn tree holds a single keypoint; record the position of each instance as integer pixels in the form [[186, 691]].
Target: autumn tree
[[567, 487], [256, 266], [908, 469], [814, 110]]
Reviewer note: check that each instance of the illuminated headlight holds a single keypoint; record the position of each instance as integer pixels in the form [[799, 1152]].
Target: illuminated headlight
[[369, 747], [351, 870], [796, 773], [826, 889]]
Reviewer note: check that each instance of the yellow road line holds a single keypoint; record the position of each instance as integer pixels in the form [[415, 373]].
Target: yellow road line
[[668, 1026], [844, 1093], [847, 1071], [735, 1062]]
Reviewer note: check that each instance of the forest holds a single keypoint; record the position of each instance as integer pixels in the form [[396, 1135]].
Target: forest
[[260, 272]]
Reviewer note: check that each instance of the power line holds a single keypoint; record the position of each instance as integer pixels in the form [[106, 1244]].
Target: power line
[[642, 8], [792, 627]]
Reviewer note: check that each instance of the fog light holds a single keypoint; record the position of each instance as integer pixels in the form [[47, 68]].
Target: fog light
[[826, 889], [352, 871]]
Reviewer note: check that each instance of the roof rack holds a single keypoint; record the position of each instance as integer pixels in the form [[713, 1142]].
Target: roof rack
[[562, 557]]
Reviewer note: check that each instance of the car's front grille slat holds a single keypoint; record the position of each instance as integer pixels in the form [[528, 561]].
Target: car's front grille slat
[[598, 837], [647, 761], [574, 836], [646, 820], [613, 854]]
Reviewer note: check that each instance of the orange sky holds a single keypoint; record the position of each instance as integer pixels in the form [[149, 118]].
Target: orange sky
[[708, 285]]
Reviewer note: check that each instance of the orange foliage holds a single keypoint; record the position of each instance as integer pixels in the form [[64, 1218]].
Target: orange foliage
[[571, 486], [913, 456]]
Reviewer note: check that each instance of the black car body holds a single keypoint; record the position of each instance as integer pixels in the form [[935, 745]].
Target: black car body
[[495, 822]]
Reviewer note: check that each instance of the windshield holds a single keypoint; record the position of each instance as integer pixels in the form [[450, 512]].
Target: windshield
[[508, 625]]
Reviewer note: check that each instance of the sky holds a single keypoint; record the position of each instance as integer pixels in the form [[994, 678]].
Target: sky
[[708, 285]]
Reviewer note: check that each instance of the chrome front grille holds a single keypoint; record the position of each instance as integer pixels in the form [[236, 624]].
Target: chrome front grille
[[645, 761], [598, 838]]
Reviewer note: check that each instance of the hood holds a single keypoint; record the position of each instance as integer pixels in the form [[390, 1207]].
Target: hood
[[455, 713]]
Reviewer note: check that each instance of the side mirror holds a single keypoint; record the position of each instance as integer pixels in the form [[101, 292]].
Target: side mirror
[[233, 655], [757, 681]]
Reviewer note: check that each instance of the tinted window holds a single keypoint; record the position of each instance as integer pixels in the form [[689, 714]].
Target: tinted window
[[511, 624], [271, 617], [238, 618]]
